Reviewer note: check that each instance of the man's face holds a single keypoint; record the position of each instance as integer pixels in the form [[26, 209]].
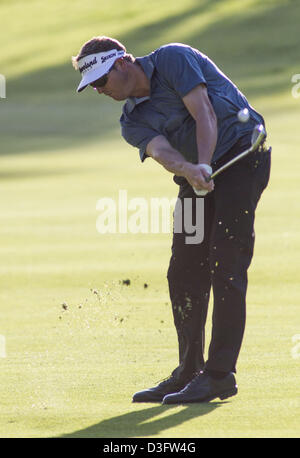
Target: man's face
[[117, 83]]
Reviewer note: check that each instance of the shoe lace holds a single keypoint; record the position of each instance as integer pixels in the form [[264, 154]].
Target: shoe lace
[[193, 381], [166, 380], [172, 378]]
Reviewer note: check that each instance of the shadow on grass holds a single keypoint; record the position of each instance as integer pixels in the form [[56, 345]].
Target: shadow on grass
[[139, 424], [36, 173]]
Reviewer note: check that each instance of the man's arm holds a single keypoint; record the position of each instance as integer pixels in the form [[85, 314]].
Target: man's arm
[[200, 108], [160, 150], [198, 105]]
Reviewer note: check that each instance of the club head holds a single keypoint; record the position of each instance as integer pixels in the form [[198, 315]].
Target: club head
[[258, 134]]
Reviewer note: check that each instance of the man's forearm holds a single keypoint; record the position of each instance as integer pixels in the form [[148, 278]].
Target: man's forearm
[[206, 134], [162, 152], [171, 160], [200, 108]]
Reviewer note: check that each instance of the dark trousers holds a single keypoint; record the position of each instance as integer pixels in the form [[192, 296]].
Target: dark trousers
[[219, 263]]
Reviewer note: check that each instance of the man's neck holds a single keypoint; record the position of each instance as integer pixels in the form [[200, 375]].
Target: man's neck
[[142, 86]]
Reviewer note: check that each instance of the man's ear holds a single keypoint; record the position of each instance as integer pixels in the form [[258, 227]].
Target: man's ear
[[120, 63]]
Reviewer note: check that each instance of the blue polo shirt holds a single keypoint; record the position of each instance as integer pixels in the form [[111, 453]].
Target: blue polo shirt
[[174, 70]]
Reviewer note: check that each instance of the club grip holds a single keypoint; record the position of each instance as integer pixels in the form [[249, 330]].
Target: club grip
[[203, 192]]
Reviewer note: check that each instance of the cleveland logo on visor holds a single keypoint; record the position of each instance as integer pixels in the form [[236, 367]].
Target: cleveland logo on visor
[[88, 65]]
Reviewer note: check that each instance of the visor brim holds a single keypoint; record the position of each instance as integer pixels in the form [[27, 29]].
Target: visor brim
[[90, 77]]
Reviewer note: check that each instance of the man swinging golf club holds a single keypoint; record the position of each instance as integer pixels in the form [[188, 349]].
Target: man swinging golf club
[[181, 110]]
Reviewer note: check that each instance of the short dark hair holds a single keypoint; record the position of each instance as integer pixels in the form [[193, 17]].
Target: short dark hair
[[100, 44]]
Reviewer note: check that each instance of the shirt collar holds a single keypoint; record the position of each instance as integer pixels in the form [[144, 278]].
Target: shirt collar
[[148, 67]]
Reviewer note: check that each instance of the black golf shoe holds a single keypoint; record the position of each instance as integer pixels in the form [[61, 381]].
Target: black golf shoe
[[157, 393], [204, 388]]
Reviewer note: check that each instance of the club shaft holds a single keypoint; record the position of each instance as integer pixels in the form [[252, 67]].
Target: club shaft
[[231, 162], [252, 148]]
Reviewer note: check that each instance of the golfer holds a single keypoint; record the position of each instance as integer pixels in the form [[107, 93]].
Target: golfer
[[181, 110]]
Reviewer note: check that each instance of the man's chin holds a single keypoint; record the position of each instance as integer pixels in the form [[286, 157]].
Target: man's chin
[[118, 98]]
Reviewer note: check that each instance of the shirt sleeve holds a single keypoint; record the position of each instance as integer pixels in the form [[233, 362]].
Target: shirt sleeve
[[138, 135], [180, 65]]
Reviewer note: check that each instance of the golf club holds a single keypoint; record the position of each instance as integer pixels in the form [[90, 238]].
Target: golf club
[[257, 138]]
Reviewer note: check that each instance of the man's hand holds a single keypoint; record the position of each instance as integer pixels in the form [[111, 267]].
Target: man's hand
[[195, 174]]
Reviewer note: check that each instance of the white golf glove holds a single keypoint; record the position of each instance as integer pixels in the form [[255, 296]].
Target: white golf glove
[[203, 192]]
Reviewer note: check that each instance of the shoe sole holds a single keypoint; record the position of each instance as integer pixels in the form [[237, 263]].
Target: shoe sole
[[157, 398], [154, 399], [147, 400], [225, 395]]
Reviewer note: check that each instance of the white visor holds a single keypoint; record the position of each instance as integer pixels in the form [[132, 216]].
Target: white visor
[[93, 66]]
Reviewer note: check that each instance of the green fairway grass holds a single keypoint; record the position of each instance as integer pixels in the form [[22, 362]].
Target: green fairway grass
[[77, 340]]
